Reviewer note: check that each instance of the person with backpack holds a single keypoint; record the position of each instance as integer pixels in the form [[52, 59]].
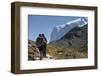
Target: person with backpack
[[44, 45], [39, 44]]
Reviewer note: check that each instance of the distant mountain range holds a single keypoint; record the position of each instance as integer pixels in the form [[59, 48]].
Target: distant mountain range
[[72, 44], [60, 30]]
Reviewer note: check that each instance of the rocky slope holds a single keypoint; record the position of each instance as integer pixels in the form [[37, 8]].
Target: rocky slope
[[72, 45], [33, 52]]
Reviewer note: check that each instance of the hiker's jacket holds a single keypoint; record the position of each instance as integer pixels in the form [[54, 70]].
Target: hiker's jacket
[[39, 41]]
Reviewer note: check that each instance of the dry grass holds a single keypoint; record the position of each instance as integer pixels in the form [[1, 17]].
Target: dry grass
[[65, 53]]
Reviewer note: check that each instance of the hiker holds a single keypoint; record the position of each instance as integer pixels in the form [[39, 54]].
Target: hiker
[[44, 45], [39, 42]]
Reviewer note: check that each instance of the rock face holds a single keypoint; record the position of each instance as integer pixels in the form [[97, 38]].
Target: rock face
[[59, 31], [76, 38], [33, 52]]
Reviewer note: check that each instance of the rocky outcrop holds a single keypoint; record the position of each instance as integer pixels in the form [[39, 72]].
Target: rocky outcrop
[[33, 52]]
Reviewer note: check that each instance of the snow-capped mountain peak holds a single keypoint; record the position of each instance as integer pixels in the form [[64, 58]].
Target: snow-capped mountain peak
[[60, 30]]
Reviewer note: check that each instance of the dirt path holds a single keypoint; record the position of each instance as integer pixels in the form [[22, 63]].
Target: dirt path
[[48, 57]]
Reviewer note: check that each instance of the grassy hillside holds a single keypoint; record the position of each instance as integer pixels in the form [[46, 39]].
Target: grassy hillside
[[65, 53]]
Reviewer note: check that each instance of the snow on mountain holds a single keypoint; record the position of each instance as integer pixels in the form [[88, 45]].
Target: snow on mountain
[[61, 30]]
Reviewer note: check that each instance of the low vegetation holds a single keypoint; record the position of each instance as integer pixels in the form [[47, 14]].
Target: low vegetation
[[65, 53]]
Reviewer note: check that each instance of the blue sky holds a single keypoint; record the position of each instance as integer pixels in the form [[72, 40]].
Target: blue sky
[[45, 24]]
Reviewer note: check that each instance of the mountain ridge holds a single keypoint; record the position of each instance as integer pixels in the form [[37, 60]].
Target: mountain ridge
[[61, 30]]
